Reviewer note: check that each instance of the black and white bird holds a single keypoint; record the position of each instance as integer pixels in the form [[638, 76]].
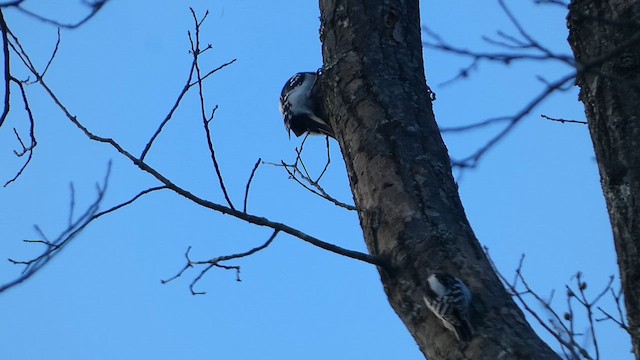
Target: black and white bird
[[449, 299], [297, 106]]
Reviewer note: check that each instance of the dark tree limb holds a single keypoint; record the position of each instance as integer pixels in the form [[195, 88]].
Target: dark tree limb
[[94, 6], [6, 70], [604, 37], [376, 98]]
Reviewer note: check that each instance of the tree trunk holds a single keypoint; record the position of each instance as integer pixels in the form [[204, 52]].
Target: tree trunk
[[605, 37], [376, 98]]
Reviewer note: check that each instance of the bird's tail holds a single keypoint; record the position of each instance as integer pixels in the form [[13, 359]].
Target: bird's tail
[[464, 331], [323, 127]]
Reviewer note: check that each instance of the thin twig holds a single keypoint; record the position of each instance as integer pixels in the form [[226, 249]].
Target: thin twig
[[164, 122], [474, 126], [317, 189], [25, 149], [7, 69], [54, 248], [570, 346], [195, 49], [53, 55], [187, 266], [72, 203], [179, 98], [216, 262], [326, 166], [246, 191], [472, 160], [564, 120], [95, 6], [620, 321], [301, 175]]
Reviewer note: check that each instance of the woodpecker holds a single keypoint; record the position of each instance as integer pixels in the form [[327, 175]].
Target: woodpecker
[[297, 106], [449, 299]]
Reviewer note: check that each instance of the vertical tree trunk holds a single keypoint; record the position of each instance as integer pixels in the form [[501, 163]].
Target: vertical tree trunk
[[376, 98], [605, 37]]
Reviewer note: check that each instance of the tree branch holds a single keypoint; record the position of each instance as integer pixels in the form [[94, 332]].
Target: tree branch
[[257, 220], [215, 262], [7, 69], [25, 149], [206, 121], [246, 191], [95, 6]]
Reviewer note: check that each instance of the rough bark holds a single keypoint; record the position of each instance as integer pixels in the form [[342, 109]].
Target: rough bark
[[376, 98], [605, 37]]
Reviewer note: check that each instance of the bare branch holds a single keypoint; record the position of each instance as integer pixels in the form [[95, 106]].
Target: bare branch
[[94, 6], [25, 149], [562, 328], [588, 305], [54, 247], [196, 51], [300, 174], [164, 122], [530, 50], [72, 203], [472, 160], [212, 154], [92, 214], [564, 120], [326, 166], [260, 221], [552, 2], [556, 326], [474, 126], [312, 186], [7, 69], [189, 84], [187, 266], [246, 191], [620, 321], [53, 55], [211, 72], [216, 262], [520, 47]]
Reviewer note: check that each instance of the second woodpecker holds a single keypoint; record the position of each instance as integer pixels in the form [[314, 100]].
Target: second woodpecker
[[449, 299]]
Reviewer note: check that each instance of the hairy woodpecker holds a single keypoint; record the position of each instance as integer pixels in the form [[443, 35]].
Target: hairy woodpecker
[[297, 106], [449, 299]]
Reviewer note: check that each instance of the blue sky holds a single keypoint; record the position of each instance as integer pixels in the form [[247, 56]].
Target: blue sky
[[536, 193]]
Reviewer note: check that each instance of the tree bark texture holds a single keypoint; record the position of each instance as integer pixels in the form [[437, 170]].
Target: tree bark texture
[[375, 97], [605, 38]]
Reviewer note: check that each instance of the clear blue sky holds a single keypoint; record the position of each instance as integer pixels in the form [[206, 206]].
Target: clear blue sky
[[536, 193]]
